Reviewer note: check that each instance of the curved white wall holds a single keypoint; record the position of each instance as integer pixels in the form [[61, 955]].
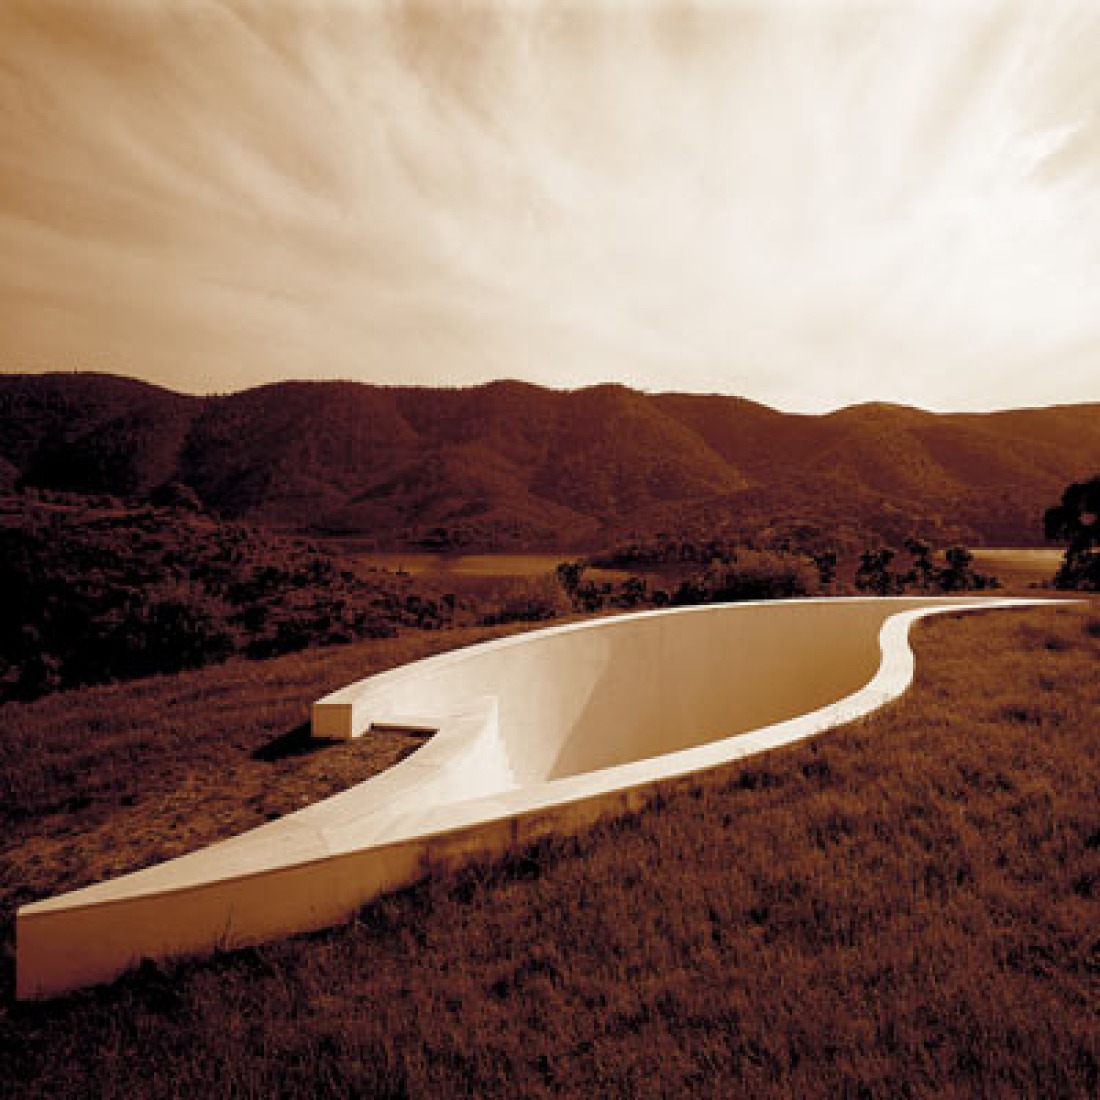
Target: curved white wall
[[540, 732], [592, 695]]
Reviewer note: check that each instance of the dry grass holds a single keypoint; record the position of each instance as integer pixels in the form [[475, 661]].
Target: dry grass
[[907, 907], [98, 782]]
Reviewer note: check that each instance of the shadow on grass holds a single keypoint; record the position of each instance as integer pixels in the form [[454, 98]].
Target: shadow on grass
[[301, 742], [298, 742]]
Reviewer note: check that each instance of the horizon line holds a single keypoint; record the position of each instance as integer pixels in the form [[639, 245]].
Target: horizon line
[[608, 383]]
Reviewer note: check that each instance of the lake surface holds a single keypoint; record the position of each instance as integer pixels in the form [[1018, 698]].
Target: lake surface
[[1035, 557], [465, 565], [1019, 565]]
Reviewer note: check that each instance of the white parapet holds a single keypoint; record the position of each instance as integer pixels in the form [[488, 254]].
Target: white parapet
[[538, 733]]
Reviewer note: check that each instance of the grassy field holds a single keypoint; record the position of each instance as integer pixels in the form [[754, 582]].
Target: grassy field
[[906, 907]]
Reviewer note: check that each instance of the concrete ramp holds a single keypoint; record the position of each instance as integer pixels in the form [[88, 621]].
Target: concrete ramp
[[539, 733]]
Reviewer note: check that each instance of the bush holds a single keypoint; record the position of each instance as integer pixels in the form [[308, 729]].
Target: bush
[[752, 575], [530, 600]]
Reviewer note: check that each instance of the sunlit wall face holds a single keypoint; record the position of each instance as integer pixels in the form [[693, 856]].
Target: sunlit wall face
[[806, 203]]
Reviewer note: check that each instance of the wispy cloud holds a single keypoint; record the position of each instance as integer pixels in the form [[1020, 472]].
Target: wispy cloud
[[810, 203]]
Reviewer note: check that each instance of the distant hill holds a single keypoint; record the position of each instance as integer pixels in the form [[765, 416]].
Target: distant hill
[[511, 465]]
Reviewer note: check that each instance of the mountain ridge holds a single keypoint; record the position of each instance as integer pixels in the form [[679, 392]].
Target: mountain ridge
[[513, 465]]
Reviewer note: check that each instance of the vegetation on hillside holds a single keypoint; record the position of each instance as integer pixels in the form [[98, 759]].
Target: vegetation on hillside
[[905, 907], [96, 591], [515, 466]]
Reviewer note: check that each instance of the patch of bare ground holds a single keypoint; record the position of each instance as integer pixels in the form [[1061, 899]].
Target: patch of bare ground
[[905, 907]]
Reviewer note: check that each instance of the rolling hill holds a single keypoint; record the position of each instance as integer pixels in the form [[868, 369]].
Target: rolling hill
[[512, 465]]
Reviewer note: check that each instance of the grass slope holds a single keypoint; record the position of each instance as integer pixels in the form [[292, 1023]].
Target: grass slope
[[906, 907]]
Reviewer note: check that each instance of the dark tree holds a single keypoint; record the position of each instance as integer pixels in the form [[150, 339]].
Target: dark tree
[[923, 571], [1076, 522], [825, 561], [633, 592], [874, 575], [569, 575], [957, 575]]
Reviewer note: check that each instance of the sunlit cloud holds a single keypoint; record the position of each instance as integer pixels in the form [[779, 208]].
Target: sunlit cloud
[[806, 203]]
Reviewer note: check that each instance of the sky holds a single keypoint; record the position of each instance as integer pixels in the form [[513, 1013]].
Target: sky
[[809, 204]]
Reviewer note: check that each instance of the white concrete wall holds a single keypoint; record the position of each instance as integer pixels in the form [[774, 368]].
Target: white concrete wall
[[541, 732], [600, 693]]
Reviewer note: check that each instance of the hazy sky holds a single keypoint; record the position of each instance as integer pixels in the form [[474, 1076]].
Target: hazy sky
[[806, 203]]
